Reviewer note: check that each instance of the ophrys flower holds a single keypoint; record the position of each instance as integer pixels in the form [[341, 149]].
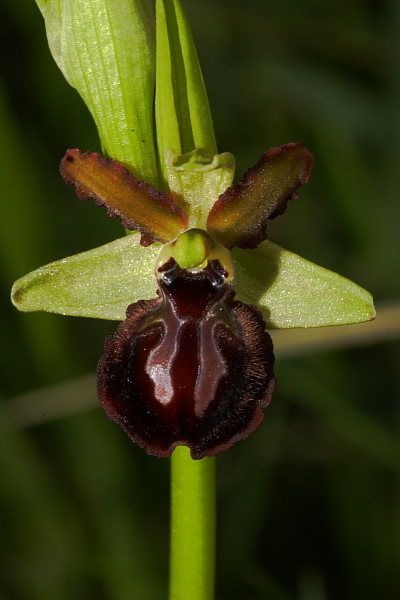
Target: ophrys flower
[[193, 365]]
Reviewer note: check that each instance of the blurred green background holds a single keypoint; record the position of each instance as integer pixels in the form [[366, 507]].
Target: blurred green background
[[309, 506]]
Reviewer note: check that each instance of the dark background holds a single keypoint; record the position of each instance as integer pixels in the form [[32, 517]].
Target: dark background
[[309, 506]]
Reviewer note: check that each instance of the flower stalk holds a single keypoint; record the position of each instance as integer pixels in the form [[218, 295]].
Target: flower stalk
[[192, 545]]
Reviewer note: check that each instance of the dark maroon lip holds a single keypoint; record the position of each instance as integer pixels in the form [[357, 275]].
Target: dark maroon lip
[[193, 367]]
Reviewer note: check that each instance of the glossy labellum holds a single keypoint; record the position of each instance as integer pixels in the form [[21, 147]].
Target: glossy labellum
[[192, 367]]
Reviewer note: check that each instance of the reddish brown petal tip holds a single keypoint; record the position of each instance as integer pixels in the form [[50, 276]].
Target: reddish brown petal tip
[[193, 367], [139, 205], [239, 216]]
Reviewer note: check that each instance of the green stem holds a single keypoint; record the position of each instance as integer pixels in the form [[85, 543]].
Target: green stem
[[192, 559]]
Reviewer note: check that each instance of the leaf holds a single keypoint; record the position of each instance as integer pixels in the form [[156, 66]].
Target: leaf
[[52, 13], [100, 283], [106, 50], [293, 292]]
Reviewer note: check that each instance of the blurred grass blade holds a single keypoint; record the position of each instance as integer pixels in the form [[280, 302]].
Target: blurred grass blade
[[297, 342], [21, 176], [122, 551], [351, 423], [350, 178], [40, 524], [49, 403], [266, 585]]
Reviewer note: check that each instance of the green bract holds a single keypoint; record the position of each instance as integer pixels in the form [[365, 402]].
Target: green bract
[[106, 50], [182, 111]]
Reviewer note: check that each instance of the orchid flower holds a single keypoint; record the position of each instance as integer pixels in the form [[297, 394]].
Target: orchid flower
[[197, 283]]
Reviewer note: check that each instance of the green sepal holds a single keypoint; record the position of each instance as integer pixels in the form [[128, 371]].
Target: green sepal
[[100, 283], [196, 180], [293, 292], [183, 116], [106, 50]]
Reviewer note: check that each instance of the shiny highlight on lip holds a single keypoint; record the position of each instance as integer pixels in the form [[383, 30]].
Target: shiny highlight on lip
[[192, 367]]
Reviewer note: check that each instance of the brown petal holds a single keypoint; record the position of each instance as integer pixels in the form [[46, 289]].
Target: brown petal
[[139, 204], [193, 367], [239, 216]]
